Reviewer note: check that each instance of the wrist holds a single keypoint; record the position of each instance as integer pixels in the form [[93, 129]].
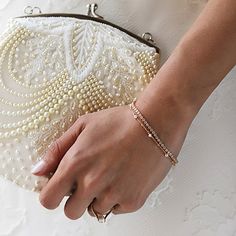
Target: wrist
[[167, 117]]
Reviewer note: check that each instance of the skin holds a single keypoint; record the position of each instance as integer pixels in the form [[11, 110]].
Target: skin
[[108, 155]]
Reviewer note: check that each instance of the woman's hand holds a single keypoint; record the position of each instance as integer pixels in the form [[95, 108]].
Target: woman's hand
[[109, 158], [107, 153]]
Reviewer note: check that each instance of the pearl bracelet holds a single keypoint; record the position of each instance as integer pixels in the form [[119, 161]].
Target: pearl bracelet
[[151, 133]]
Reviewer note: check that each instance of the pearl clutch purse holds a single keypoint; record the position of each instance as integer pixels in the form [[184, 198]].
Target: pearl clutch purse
[[55, 68]]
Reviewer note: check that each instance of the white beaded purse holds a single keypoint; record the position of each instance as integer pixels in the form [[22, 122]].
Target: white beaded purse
[[56, 67]]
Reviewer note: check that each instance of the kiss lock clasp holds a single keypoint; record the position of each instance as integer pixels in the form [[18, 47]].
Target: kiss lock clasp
[[92, 8], [32, 10]]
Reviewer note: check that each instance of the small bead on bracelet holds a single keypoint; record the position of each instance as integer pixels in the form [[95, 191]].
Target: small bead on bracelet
[[151, 133]]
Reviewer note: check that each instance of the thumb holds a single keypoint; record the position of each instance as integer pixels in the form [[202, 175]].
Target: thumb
[[57, 150]]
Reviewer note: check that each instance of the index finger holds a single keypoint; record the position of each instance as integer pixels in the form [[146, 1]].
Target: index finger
[[57, 149]]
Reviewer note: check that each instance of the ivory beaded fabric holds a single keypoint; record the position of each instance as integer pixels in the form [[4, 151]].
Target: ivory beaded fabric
[[55, 69], [198, 197]]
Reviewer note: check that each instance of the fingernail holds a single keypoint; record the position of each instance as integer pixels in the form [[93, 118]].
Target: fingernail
[[38, 167]]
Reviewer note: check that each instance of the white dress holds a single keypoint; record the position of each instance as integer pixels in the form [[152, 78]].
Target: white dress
[[199, 196]]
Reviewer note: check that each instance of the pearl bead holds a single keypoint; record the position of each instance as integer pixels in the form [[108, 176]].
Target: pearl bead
[[51, 103]]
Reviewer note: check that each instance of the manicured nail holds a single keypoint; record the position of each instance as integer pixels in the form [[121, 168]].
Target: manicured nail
[[38, 167]]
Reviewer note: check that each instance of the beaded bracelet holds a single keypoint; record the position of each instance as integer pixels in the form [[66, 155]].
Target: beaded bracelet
[[151, 133]]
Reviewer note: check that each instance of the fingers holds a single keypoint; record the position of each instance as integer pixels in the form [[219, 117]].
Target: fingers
[[57, 187], [130, 205], [57, 149], [66, 175], [105, 201], [82, 199], [101, 206], [77, 203], [88, 187], [72, 190]]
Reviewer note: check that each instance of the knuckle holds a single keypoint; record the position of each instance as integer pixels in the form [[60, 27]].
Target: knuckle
[[76, 158], [129, 206], [82, 120], [86, 192], [89, 185], [55, 147], [77, 154], [71, 215], [132, 205], [47, 203], [53, 150], [141, 203], [111, 195]]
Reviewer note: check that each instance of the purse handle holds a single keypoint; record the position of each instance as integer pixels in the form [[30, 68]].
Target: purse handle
[[92, 8]]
